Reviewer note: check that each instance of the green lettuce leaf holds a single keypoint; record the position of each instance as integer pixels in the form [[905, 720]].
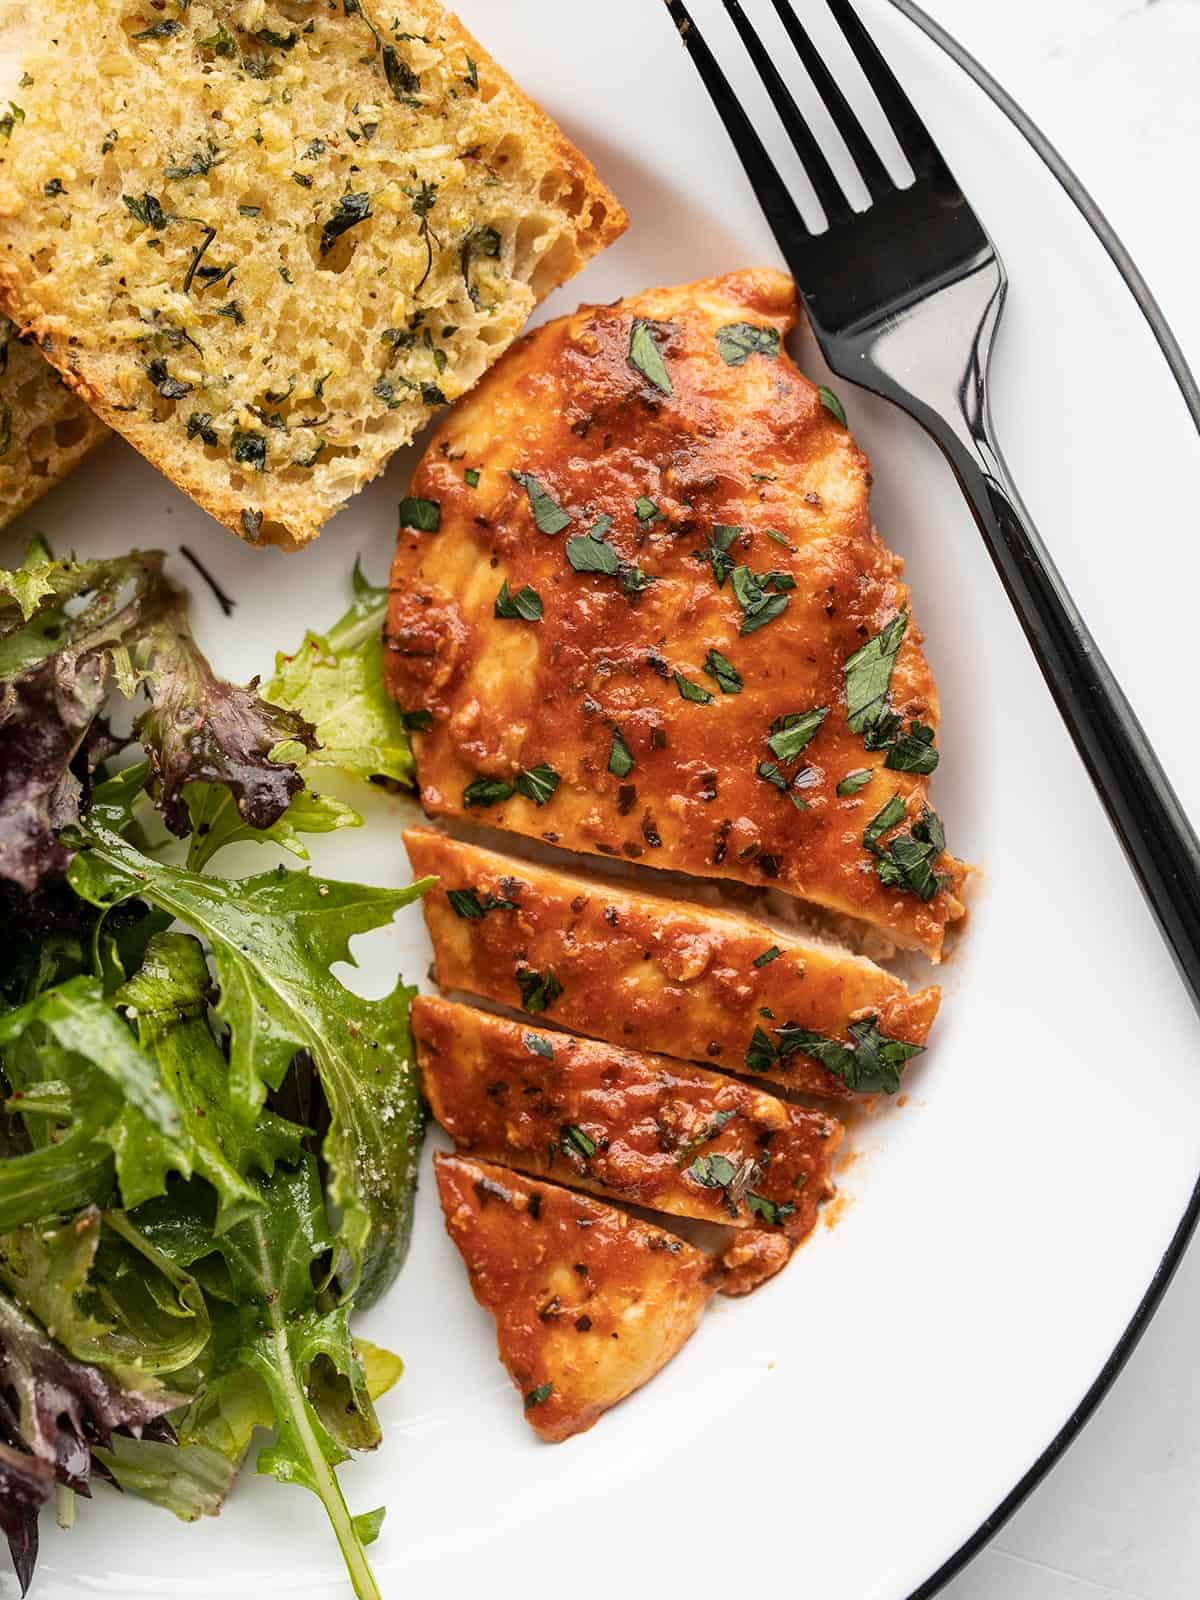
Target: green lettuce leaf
[[335, 681], [274, 938], [282, 1331], [216, 822]]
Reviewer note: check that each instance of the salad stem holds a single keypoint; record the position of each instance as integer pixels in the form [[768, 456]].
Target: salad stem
[[323, 1476], [64, 1505]]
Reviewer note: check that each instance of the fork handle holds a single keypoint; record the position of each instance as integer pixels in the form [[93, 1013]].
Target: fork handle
[[1129, 778]]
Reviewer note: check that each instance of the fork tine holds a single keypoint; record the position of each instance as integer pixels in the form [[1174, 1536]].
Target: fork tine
[[820, 174], [866, 158], [911, 133], [786, 222]]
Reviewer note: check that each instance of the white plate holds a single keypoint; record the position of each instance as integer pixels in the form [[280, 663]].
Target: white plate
[[848, 1429]]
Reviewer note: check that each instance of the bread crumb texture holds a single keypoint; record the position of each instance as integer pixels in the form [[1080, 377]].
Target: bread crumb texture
[[265, 241], [44, 430]]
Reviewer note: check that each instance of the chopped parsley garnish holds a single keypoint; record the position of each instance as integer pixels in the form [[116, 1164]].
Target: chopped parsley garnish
[[761, 1054], [907, 863], [790, 734], [719, 540], [538, 989], [760, 597], [869, 676], [779, 538], [487, 792], [424, 515], [854, 781], [766, 1210], [879, 824], [472, 76], [538, 783], [768, 956], [199, 425], [170, 388], [833, 405], [729, 679], [471, 477], [871, 1065], [692, 691], [774, 775], [537, 1046], [620, 757], [548, 516], [402, 80], [713, 1172], [645, 509], [738, 341], [148, 210], [250, 450], [913, 751], [646, 358], [468, 904], [417, 721], [524, 606], [588, 552], [574, 1138], [538, 1396], [479, 242], [161, 30], [350, 210]]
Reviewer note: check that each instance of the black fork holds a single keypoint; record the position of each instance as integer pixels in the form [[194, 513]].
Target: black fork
[[905, 299]]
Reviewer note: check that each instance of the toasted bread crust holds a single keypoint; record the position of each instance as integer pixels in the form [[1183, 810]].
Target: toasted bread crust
[[45, 432], [540, 217]]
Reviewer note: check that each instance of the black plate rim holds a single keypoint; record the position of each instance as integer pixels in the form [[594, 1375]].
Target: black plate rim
[[1188, 388]]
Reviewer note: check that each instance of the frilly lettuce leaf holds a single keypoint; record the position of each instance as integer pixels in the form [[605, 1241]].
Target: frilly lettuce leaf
[[216, 822], [282, 1331], [57, 1407], [274, 938], [335, 680], [57, 664]]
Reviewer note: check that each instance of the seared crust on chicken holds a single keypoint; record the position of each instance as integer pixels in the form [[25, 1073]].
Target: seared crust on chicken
[[589, 1303], [650, 973], [653, 559], [642, 1129]]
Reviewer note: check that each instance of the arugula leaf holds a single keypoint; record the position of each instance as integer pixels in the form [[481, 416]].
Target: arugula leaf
[[524, 606], [335, 681], [729, 679], [548, 516], [869, 675], [274, 939], [168, 998], [738, 341], [646, 358]]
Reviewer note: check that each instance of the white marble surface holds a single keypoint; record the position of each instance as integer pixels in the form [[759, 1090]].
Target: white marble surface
[[1114, 85]]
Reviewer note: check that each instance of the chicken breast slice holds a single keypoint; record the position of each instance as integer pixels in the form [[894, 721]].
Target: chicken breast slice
[[665, 975], [588, 1303], [642, 1129], [640, 596]]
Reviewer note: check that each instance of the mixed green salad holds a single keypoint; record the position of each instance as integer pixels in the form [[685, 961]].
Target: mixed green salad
[[208, 1144]]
